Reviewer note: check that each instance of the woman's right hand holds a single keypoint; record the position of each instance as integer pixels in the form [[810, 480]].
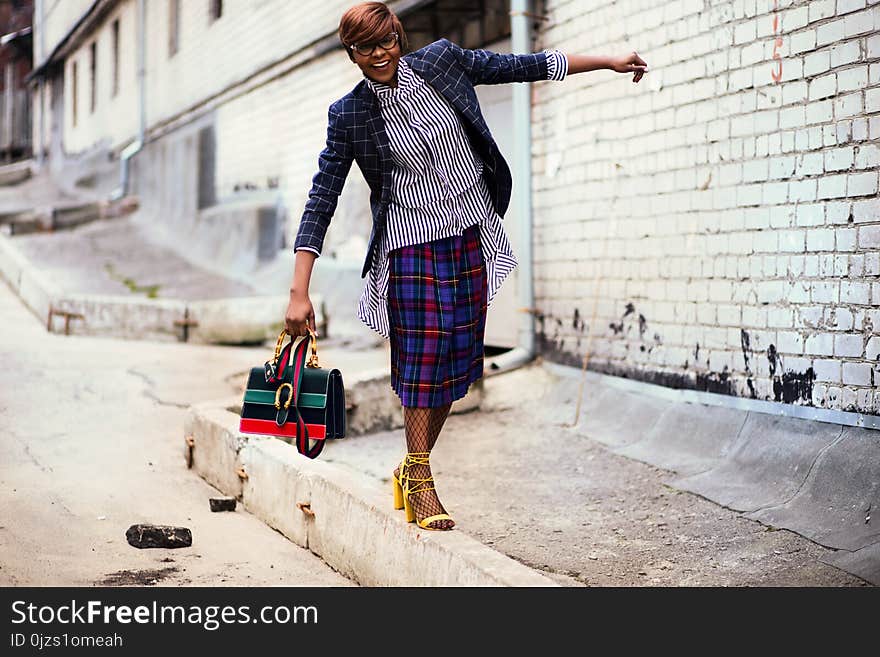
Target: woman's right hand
[[300, 314]]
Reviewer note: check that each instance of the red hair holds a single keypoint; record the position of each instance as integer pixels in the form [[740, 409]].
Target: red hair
[[369, 22]]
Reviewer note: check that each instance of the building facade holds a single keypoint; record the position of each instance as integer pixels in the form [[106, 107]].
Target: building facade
[[714, 227], [15, 65]]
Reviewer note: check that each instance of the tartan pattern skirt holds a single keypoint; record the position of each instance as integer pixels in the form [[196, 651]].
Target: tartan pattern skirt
[[437, 301]]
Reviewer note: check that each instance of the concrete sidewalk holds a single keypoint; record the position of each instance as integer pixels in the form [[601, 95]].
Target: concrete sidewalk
[[561, 500], [643, 490]]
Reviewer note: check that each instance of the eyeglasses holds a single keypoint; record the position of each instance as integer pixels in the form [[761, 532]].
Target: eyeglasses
[[366, 49]]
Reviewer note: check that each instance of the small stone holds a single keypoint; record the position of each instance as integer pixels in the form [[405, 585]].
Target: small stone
[[158, 536], [222, 503]]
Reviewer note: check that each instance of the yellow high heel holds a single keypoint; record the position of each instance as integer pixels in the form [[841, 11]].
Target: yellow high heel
[[398, 486], [422, 485]]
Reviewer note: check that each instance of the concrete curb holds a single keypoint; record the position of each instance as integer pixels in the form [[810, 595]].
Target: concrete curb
[[338, 514], [230, 320], [17, 172]]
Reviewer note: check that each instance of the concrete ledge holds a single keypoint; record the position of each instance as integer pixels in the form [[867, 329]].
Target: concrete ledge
[[15, 173], [339, 514], [275, 485], [37, 292], [233, 320], [371, 406], [11, 263], [240, 319], [215, 456], [120, 316]]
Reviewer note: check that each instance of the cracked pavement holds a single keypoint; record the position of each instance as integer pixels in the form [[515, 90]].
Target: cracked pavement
[[93, 443]]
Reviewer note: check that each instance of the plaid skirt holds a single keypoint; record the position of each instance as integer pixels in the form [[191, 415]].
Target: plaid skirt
[[437, 300]]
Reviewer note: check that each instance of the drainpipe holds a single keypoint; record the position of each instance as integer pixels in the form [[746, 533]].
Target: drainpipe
[[521, 42], [134, 148], [40, 47]]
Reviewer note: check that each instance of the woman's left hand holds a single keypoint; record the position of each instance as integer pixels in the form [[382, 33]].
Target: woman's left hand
[[631, 63]]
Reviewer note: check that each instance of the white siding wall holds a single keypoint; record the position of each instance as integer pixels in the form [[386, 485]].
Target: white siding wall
[[213, 55], [59, 17], [115, 119]]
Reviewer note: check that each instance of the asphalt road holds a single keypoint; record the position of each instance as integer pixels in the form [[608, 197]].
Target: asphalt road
[[91, 443]]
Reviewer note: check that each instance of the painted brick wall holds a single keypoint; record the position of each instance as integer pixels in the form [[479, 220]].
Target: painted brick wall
[[721, 217]]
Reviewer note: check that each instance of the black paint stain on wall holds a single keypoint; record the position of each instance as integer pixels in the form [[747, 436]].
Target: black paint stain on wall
[[773, 357], [788, 387], [794, 386], [746, 343], [617, 327], [577, 323], [716, 382]]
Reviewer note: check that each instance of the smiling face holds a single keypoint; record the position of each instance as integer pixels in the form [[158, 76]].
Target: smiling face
[[381, 65]]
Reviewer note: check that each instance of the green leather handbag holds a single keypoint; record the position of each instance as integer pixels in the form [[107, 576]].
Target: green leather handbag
[[292, 397]]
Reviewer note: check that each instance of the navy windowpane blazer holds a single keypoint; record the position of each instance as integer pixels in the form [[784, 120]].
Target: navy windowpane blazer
[[356, 132]]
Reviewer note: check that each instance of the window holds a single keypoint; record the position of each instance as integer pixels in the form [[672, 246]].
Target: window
[[74, 93], [173, 26], [115, 88], [93, 65], [215, 9]]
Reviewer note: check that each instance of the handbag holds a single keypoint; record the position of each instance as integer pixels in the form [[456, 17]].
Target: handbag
[[292, 397]]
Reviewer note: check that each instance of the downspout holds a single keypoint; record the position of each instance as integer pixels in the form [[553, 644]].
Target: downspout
[[521, 42], [134, 148], [40, 46]]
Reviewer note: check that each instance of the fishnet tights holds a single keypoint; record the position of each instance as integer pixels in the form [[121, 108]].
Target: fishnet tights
[[423, 426]]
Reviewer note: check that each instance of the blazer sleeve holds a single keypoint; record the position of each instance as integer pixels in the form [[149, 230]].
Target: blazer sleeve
[[334, 163], [487, 67]]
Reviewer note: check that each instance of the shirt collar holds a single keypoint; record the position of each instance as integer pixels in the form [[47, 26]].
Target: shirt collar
[[405, 82]]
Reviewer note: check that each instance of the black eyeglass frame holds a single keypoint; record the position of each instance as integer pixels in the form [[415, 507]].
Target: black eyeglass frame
[[356, 46]]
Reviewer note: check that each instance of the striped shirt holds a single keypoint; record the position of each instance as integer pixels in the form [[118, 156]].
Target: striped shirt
[[438, 189]]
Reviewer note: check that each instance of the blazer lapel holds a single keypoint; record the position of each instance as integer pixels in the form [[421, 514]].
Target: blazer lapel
[[433, 76], [376, 130]]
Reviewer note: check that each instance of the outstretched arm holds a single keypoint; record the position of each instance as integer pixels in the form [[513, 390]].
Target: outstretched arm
[[487, 67], [630, 63]]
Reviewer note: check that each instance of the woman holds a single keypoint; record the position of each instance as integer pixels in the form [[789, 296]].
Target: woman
[[438, 189]]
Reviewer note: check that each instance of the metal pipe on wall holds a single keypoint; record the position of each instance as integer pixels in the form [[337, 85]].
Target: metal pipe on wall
[[134, 148], [40, 46], [521, 42]]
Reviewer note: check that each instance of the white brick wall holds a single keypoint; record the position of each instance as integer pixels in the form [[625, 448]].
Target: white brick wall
[[729, 199], [756, 214]]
